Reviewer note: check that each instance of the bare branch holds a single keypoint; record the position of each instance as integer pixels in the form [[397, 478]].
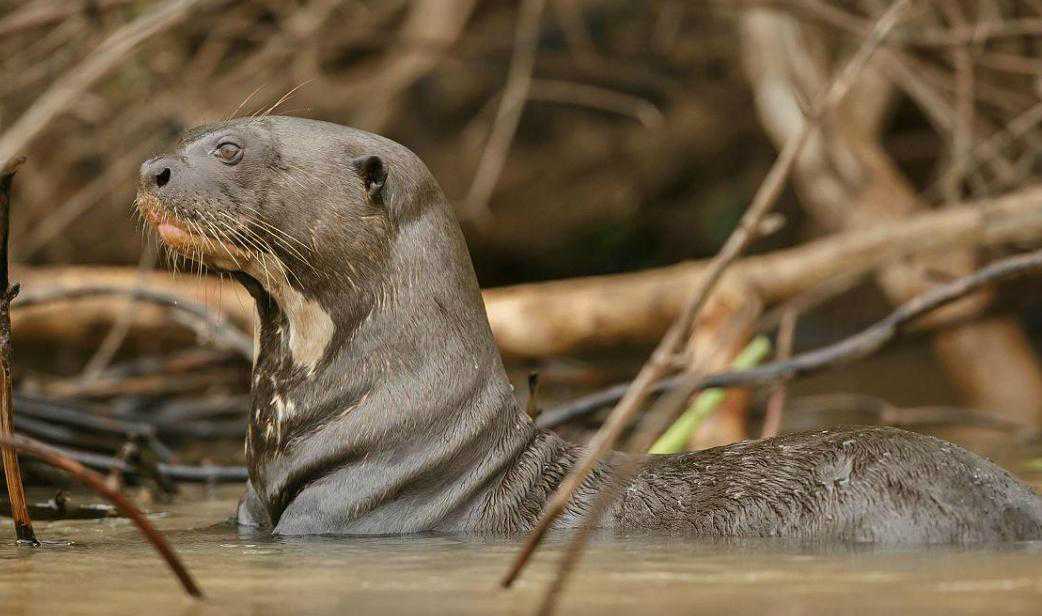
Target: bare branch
[[658, 364], [519, 81], [23, 524], [64, 92], [96, 482], [864, 344]]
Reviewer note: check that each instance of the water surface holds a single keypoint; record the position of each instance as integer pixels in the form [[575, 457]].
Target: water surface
[[103, 567]]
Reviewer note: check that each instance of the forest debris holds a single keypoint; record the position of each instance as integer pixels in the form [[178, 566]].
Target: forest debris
[[864, 343], [858, 346], [147, 385], [58, 508], [65, 92], [776, 401], [511, 104], [206, 322], [36, 14], [723, 328], [546, 318], [870, 340], [847, 180], [657, 365]]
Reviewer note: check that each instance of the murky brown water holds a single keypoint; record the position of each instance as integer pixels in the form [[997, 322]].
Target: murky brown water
[[107, 569]]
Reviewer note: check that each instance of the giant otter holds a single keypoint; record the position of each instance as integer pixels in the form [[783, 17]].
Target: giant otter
[[380, 403]]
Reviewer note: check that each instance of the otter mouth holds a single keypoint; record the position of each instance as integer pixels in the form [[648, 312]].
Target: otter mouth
[[188, 237]]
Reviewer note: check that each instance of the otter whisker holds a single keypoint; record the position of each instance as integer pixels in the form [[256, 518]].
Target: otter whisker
[[307, 174], [243, 103], [284, 98], [281, 242], [295, 180], [308, 177], [265, 254], [291, 250], [202, 234], [225, 242], [283, 237], [273, 229], [263, 243], [197, 254], [260, 251], [256, 252]]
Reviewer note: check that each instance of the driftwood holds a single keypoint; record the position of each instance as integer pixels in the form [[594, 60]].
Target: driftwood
[[551, 318], [98, 295], [205, 322]]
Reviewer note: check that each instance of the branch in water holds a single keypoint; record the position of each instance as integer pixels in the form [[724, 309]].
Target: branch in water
[[739, 239], [855, 347], [23, 524], [96, 482]]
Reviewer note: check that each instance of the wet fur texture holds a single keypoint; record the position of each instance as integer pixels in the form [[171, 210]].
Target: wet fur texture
[[399, 417]]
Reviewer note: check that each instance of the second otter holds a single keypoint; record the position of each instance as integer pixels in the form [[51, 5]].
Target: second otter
[[380, 403]]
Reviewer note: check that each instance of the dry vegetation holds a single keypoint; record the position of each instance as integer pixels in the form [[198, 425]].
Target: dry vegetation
[[606, 143]]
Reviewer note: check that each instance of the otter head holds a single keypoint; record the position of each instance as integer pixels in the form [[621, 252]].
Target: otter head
[[230, 197], [302, 212]]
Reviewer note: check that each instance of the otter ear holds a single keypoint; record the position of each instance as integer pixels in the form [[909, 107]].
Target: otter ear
[[373, 173]]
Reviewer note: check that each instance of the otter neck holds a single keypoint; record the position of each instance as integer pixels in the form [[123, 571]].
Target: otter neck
[[394, 375]]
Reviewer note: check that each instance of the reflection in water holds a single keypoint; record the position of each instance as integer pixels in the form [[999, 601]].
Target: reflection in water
[[103, 567]]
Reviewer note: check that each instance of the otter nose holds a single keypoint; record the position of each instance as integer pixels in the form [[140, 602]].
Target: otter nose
[[155, 173]]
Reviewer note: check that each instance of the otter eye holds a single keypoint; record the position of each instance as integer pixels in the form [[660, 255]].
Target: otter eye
[[228, 153]]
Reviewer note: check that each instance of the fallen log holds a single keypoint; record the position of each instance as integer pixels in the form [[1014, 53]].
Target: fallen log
[[558, 317]]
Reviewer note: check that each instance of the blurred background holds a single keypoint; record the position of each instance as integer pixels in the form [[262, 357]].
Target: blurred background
[[578, 140]]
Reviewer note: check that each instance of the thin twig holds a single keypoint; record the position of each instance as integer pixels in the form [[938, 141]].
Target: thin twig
[[596, 97], [963, 129], [201, 318], [96, 482], [659, 362], [861, 345], [118, 332], [776, 402], [36, 15], [65, 91], [975, 34], [874, 338], [584, 405], [23, 524], [203, 473], [990, 150], [519, 81]]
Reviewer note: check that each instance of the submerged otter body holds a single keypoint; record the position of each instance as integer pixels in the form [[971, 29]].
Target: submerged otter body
[[380, 402]]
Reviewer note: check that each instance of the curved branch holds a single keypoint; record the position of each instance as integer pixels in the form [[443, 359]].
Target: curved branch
[[224, 334], [96, 482], [849, 349], [875, 337], [736, 243]]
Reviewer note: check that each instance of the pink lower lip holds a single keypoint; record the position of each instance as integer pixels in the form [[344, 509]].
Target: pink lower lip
[[170, 232]]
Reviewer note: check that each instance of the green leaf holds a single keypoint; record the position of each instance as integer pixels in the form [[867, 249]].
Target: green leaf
[[676, 437]]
